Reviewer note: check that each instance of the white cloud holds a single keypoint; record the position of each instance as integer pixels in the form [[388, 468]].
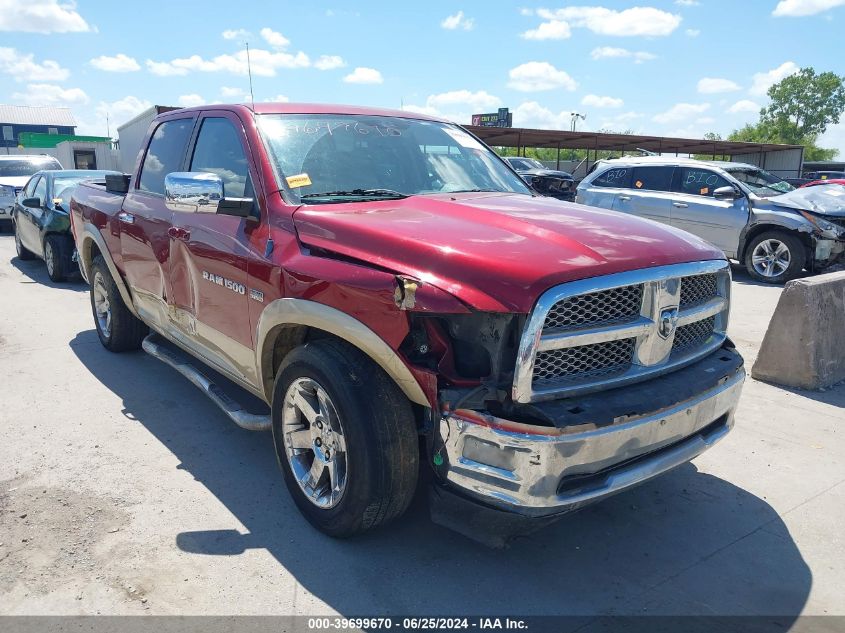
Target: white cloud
[[531, 114], [235, 34], [681, 112], [274, 38], [534, 76], [458, 21], [602, 102], [744, 105], [119, 63], [714, 85], [834, 136], [227, 91], [329, 62], [692, 32], [636, 21], [612, 52], [41, 16], [121, 111], [457, 105], [23, 67], [363, 75], [763, 81], [798, 8], [551, 30], [49, 94], [264, 63], [687, 3], [191, 100]]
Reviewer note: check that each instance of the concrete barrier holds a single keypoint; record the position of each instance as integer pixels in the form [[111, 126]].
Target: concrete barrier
[[804, 346]]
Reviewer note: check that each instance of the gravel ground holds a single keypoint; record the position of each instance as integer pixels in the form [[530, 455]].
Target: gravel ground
[[124, 491]]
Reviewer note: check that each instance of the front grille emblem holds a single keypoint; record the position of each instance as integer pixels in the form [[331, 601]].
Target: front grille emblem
[[668, 322]]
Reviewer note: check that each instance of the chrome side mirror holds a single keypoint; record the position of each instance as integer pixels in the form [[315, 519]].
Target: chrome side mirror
[[726, 193], [193, 192]]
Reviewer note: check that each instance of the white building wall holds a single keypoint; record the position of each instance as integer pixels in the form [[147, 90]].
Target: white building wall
[[130, 136], [107, 157], [785, 163]]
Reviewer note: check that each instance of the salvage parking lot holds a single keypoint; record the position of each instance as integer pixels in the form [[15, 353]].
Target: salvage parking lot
[[124, 490]]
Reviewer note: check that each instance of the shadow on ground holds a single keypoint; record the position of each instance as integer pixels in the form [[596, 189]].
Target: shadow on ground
[[36, 272], [688, 543]]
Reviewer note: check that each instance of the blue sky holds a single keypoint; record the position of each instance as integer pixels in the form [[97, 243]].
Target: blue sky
[[674, 67]]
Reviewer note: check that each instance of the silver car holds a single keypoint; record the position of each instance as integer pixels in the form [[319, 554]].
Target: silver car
[[753, 216], [15, 170]]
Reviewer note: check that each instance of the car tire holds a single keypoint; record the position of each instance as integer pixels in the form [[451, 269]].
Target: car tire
[[23, 252], [57, 257], [348, 413], [119, 330], [775, 257]]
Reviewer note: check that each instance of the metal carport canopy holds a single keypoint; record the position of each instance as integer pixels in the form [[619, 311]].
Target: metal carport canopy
[[527, 137]]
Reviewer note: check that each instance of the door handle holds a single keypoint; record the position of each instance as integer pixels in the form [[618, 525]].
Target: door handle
[[178, 233], [680, 205], [126, 217], [624, 197]]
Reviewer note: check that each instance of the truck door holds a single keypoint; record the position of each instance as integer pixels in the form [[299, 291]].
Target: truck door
[[210, 253], [144, 221], [648, 195], [694, 208]]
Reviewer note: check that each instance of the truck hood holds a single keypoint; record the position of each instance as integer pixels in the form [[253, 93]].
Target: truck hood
[[495, 251]]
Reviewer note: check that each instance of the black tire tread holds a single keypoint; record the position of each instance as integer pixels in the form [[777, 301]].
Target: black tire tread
[[127, 331], [389, 414], [797, 250]]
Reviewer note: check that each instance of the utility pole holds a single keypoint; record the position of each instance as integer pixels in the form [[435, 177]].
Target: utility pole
[[575, 117]]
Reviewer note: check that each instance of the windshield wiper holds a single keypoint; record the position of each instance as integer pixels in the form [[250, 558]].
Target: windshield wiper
[[369, 193]]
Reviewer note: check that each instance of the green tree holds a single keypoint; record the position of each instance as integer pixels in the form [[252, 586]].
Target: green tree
[[804, 104]]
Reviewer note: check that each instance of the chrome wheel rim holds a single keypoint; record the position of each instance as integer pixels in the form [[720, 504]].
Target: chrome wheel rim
[[48, 256], [771, 258], [102, 308], [315, 445]]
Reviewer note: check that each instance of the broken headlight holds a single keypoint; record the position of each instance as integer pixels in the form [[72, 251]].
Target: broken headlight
[[826, 228]]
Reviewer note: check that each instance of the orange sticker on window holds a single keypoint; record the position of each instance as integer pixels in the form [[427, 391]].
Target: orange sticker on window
[[824, 176], [300, 180], [639, 184], [704, 191]]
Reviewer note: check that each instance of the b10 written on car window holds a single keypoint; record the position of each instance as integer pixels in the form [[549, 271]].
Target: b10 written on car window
[[619, 177], [700, 182]]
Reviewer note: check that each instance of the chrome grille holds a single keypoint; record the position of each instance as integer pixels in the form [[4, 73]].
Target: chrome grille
[[602, 332], [694, 334], [615, 305], [584, 361], [698, 289]]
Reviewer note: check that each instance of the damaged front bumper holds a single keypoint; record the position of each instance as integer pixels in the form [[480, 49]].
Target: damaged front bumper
[[597, 446]]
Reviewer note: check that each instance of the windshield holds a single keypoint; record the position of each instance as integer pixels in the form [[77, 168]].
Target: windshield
[[337, 158], [18, 168], [63, 186], [761, 182]]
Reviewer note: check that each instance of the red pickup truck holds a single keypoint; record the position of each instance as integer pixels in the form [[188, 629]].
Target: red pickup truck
[[402, 300]]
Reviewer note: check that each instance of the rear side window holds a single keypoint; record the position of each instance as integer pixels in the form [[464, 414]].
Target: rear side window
[[652, 178], [219, 151], [616, 177], [167, 147], [698, 182]]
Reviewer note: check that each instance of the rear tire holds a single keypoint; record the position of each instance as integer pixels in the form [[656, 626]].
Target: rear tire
[[23, 252], [57, 257], [775, 257], [119, 330], [339, 402]]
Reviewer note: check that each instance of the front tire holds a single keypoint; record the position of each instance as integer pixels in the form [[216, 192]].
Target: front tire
[[57, 257], [119, 330], [775, 257], [345, 438], [23, 252]]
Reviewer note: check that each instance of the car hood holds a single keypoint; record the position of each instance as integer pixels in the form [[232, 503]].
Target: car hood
[[14, 181], [822, 199], [496, 252], [546, 173]]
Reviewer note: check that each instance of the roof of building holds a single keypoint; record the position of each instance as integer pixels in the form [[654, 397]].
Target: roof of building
[[525, 137], [36, 115]]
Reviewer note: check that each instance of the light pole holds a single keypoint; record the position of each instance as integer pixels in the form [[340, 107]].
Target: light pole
[[575, 117]]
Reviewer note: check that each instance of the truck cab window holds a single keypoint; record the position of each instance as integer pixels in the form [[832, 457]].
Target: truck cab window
[[167, 147], [219, 151]]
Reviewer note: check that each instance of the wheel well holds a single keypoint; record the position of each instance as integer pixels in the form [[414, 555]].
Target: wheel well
[[806, 238], [282, 339]]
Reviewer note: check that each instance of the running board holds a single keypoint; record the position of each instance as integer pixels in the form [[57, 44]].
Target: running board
[[236, 413]]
